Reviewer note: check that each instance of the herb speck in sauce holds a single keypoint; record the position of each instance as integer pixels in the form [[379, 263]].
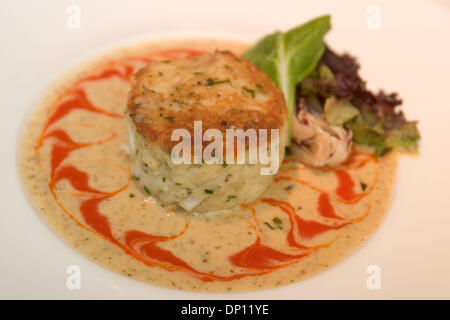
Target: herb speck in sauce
[[230, 197], [269, 225], [278, 222], [289, 187]]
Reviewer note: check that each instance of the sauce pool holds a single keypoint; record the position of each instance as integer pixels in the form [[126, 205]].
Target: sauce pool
[[273, 244]]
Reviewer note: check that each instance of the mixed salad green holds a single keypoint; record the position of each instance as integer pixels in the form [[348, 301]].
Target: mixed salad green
[[311, 74]]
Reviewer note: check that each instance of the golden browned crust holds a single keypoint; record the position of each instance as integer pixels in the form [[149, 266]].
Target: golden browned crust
[[220, 89]]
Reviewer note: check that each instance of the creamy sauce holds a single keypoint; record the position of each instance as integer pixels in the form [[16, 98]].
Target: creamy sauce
[[75, 167]]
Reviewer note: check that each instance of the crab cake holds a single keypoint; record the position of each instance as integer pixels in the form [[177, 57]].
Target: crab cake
[[222, 91]]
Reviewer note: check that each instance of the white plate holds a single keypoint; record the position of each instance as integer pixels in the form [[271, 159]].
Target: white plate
[[409, 54]]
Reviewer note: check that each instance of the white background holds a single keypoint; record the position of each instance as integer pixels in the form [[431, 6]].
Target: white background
[[409, 54]]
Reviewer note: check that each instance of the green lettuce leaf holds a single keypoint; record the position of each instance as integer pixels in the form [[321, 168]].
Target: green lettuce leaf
[[368, 130], [406, 137], [288, 58], [339, 111]]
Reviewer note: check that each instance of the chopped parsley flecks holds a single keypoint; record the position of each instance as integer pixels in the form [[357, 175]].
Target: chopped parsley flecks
[[136, 178], [260, 88], [224, 164], [288, 152], [147, 190], [209, 191], [131, 195], [211, 82], [249, 91], [231, 197], [178, 101]]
